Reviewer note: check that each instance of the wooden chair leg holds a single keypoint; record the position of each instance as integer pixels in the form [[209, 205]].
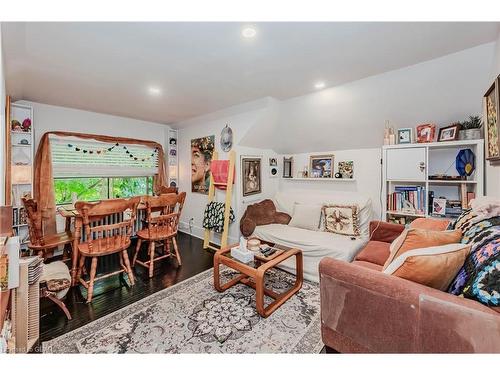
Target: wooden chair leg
[[151, 258], [61, 304], [127, 267], [167, 246], [137, 248], [81, 264], [93, 270], [177, 254]]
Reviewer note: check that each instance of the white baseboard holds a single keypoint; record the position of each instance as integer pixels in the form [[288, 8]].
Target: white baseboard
[[199, 232]]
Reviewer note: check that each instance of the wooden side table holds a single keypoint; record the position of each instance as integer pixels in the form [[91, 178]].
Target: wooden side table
[[257, 271]]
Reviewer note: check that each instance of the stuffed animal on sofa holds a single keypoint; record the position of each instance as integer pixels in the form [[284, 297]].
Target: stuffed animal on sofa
[[261, 213]]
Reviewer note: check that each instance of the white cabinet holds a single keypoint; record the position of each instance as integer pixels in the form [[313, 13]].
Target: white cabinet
[[406, 164]]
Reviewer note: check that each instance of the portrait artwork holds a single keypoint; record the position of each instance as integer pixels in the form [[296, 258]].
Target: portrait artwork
[[202, 150]]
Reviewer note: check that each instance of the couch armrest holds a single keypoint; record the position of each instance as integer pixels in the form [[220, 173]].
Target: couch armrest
[[370, 311], [385, 232]]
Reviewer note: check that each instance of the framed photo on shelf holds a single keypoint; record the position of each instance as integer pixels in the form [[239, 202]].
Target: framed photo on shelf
[[439, 206], [491, 114], [426, 133], [449, 133], [405, 135], [321, 166]]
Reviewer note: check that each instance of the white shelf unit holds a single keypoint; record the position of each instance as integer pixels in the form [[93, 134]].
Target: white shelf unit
[[22, 160], [412, 164], [173, 158]]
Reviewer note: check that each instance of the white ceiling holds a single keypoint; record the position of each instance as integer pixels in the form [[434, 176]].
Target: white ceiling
[[204, 67]]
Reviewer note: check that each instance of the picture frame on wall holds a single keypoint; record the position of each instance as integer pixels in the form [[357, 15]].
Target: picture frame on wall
[[321, 166], [405, 135], [449, 133], [491, 104], [251, 176], [426, 133], [287, 167], [202, 150]]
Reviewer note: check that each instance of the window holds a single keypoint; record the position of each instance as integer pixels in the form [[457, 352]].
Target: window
[[96, 188], [92, 170]]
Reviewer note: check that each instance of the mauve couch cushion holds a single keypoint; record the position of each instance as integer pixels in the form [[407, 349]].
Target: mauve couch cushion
[[375, 252], [370, 265]]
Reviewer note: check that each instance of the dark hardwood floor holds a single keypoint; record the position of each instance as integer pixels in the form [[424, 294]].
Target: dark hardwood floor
[[113, 293]]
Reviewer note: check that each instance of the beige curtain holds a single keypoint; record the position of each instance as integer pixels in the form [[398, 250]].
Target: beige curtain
[[44, 182]]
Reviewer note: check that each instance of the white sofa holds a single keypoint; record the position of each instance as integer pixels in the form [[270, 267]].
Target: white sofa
[[316, 245]]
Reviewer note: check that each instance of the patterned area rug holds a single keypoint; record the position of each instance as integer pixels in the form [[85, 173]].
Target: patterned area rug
[[192, 317]]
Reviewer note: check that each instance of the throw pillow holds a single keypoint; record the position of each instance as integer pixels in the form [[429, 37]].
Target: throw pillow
[[342, 219], [484, 285], [429, 223], [434, 266], [306, 216], [420, 238]]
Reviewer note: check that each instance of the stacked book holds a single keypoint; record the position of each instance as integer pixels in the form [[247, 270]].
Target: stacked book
[[453, 208], [407, 199]]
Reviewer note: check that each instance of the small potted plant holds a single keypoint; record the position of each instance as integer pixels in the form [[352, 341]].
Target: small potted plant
[[471, 128]]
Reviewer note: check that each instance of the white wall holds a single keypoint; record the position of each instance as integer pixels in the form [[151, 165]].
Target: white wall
[[353, 115], [52, 118], [212, 124], [367, 175], [2, 123]]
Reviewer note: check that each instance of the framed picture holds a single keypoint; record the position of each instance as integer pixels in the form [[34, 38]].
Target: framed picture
[[321, 166], [202, 150], [491, 114], [405, 135], [287, 167], [439, 206], [449, 133], [251, 175], [346, 169], [426, 133], [273, 162]]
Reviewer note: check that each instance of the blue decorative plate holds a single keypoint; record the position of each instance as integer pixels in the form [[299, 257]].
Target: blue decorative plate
[[465, 162]]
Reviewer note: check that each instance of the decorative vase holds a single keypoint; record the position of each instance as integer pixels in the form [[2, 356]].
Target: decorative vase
[[469, 134]]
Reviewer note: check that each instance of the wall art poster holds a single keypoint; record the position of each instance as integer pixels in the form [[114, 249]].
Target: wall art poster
[[202, 150]]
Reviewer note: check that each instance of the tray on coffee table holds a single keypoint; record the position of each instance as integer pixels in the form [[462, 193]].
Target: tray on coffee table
[[253, 274]]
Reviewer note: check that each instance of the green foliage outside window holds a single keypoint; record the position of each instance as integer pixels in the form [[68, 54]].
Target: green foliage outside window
[[96, 188]]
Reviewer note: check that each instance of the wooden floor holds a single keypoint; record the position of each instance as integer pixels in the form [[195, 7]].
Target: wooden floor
[[113, 293]]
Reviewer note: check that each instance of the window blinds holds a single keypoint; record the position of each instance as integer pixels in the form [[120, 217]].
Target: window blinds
[[75, 157]]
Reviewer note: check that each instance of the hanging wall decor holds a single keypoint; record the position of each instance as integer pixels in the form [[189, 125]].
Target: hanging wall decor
[[104, 150], [202, 150], [251, 175], [226, 139], [491, 116]]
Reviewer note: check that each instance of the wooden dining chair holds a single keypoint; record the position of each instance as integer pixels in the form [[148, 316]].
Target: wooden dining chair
[[39, 242], [163, 213], [102, 238], [167, 190]]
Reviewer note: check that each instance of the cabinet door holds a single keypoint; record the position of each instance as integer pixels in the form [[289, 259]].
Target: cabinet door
[[406, 164]]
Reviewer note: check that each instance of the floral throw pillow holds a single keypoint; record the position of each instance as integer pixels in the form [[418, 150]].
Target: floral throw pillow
[[341, 219]]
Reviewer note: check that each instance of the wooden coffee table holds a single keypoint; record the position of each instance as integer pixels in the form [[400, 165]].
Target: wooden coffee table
[[256, 270]]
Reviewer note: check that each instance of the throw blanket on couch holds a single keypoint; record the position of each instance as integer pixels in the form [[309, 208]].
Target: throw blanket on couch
[[479, 278], [213, 218]]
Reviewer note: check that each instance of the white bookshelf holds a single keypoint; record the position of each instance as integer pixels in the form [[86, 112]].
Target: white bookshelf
[[173, 158], [319, 179], [22, 159], [413, 164]]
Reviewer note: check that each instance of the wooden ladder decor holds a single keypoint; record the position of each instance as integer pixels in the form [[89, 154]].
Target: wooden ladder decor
[[227, 208]]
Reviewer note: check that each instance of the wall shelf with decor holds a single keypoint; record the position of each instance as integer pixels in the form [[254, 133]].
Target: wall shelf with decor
[[173, 157], [20, 158], [435, 179], [319, 179]]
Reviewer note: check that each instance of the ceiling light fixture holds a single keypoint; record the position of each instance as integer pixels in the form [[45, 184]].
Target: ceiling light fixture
[[319, 85], [248, 32], [154, 91]]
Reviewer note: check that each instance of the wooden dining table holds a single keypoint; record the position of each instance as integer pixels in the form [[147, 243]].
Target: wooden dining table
[[70, 214]]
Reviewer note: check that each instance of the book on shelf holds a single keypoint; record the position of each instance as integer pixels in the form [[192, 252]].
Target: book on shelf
[[407, 198]]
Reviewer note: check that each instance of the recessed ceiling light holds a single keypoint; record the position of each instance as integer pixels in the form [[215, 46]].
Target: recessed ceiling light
[[319, 85], [154, 91], [248, 32]]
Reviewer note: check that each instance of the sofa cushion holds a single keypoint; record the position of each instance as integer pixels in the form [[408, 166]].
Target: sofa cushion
[[484, 285], [419, 238], [434, 266], [315, 245], [429, 223], [306, 216], [342, 219], [376, 252], [285, 201], [369, 265]]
